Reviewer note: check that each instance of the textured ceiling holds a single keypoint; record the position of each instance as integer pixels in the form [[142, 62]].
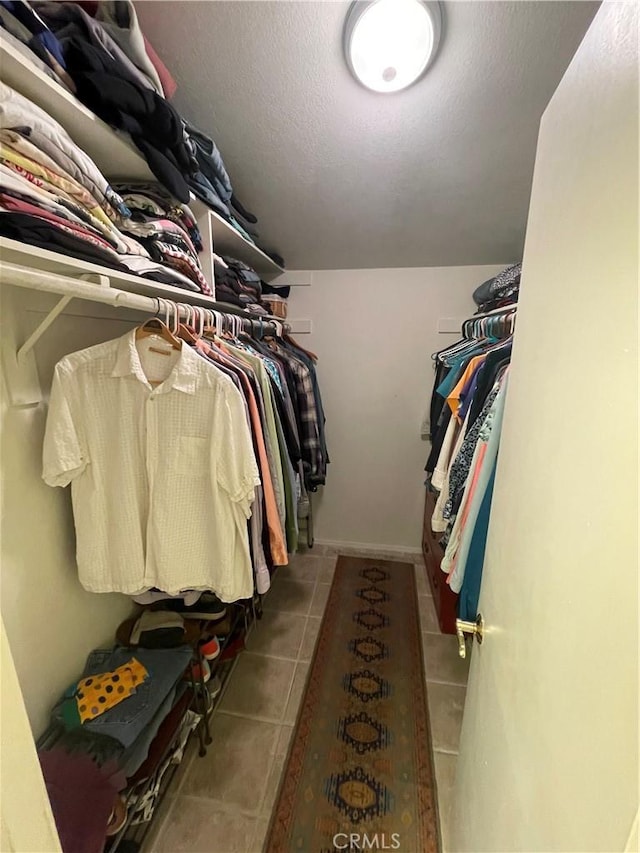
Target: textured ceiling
[[341, 177]]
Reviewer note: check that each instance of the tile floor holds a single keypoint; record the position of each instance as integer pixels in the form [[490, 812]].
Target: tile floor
[[222, 803]]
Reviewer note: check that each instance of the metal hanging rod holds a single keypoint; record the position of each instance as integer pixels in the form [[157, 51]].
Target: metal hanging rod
[[96, 287], [496, 312]]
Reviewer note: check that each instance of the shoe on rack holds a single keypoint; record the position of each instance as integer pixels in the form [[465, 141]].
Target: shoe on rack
[[208, 701], [118, 817], [210, 647], [222, 627], [200, 672], [208, 607], [234, 645], [208, 695], [157, 629], [214, 687]]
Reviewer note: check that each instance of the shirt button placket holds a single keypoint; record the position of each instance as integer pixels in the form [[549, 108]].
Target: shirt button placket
[[150, 443]]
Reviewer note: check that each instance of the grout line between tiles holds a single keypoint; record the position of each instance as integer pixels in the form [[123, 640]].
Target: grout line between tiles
[[289, 692], [270, 656], [448, 683], [304, 634], [226, 684], [222, 806], [291, 612], [270, 767], [446, 751], [306, 627], [253, 718], [256, 718]]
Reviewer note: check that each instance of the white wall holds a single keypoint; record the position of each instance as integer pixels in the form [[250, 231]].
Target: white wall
[[26, 822], [374, 332], [549, 754], [51, 622]]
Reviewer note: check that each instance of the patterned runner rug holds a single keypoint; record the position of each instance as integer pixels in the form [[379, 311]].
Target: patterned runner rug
[[359, 773]]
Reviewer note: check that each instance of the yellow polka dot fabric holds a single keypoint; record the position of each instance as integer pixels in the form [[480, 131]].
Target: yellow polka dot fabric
[[97, 693]]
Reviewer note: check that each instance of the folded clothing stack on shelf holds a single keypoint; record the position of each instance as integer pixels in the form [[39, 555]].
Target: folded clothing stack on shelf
[[167, 230], [237, 284], [52, 195], [98, 51], [26, 31]]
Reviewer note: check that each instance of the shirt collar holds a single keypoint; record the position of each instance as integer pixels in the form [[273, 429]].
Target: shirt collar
[[183, 376]]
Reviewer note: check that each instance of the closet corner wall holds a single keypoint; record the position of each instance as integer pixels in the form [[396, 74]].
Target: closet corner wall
[[51, 621], [27, 820], [374, 331]]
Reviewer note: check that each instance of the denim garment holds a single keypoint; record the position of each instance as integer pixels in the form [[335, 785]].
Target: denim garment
[[133, 757], [210, 161], [206, 193], [100, 748], [128, 719]]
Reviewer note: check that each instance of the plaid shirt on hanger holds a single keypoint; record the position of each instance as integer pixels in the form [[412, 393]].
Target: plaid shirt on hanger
[[313, 460]]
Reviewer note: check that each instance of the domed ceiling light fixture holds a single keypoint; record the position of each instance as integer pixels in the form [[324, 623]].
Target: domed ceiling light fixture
[[389, 44]]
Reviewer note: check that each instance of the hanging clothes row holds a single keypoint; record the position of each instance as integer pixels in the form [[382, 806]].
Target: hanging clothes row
[[466, 412], [191, 450]]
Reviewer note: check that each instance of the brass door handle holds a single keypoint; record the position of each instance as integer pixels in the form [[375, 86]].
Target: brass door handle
[[474, 628]]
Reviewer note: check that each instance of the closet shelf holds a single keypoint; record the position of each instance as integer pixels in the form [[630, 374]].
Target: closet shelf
[[39, 269], [228, 241], [33, 258], [225, 240], [116, 156]]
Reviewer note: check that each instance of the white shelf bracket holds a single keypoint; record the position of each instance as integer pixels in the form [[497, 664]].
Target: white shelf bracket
[[58, 308], [39, 331], [21, 377], [19, 361]]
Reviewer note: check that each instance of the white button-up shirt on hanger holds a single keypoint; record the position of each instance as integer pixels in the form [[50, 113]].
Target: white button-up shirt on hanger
[[162, 477]]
